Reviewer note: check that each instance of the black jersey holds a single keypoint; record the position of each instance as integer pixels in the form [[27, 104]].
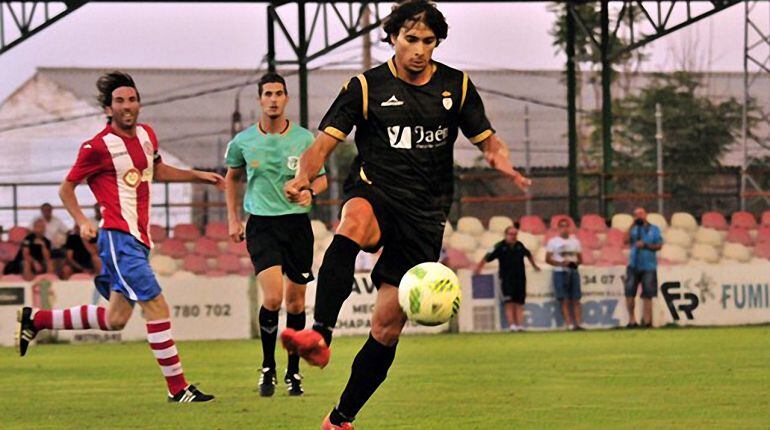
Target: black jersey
[[405, 134], [511, 258]]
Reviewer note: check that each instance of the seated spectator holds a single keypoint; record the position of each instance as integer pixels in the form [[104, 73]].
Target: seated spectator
[[80, 256], [34, 256], [55, 230]]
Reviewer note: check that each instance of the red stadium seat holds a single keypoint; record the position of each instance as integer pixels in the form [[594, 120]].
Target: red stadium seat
[[17, 234], [217, 231], [744, 220], [81, 277], [588, 257], [46, 277], [532, 224], [615, 238], [763, 234], [206, 247], [186, 232], [588, 239], [238, 249], [763, 250], [216, 273], [173, 248], [457, 259], [229, 263], [555, 221], [196, 264], [593, 222], [740, 235], [612, 256], [12, 278], [8, 251], [714, 220], [765, 219], [246, 271], [158, 233]]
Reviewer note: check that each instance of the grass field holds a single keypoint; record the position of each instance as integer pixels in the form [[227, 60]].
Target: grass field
[[655, 379]]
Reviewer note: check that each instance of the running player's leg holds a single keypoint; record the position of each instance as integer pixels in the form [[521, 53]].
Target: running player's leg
[[370, 367], [271, 281]]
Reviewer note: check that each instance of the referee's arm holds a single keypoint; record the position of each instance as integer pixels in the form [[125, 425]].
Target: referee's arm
[[232, 191]]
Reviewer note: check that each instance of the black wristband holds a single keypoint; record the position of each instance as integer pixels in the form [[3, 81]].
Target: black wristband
[[312, 194]]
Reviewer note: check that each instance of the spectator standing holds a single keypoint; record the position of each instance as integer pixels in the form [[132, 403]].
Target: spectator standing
[[34, 256], [563, 252], [55, 229], [645, 240]]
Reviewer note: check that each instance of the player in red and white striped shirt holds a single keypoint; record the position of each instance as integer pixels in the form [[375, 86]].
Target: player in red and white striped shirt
[[119, 165]]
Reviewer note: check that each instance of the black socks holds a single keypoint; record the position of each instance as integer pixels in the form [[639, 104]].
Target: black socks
[[268, 328]]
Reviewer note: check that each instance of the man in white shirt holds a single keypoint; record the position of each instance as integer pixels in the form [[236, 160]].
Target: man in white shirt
[[55, 230], [564, 254]]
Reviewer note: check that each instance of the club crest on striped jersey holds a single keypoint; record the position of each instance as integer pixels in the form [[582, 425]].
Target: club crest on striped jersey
[[132, 178]]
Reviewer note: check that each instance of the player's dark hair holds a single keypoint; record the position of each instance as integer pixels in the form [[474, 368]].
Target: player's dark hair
[[269, 78], [412, 11], [109, 82]]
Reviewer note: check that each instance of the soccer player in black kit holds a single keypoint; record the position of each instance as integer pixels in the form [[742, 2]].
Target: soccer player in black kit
[[407, 114]]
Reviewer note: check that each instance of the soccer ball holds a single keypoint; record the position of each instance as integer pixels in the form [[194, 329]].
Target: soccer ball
[[429, 294]]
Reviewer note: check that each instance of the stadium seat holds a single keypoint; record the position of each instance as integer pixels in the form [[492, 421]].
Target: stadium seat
[[186, 232], [673, 254], [589, 258], [478, 255], [206, 247], [765, 220], [684, 221], [499, 223], [555, 221], [448, 230], [611, 256], [173, 248], [12, 278], [705, 253], [229, 263], [594, 223], [736, 252], [615, 238], [157, 233], [540, 255], [762, 250], [763, 234], [743, 220], [319, 229], [196, 264], [470, 225], [183, 274], [488, 239], [163, 265], [588, 239], [17, 234], [81, 277], [322, 245], [709, 236], [217, 230], [532, 224], [463, 242], [739, 235], [714, 220], [622, 222], [658, 220], [457, 259], [531, 241], [678, 237], [238, 249], [215, 273], [46, 277], [8, 251]]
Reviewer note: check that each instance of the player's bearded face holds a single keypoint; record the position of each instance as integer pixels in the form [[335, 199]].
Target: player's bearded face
[[124, 109], [273, 99], [414, 47]]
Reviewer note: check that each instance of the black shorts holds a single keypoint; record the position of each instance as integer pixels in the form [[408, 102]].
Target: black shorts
[[284, 240], [514, 290], [405, 242]]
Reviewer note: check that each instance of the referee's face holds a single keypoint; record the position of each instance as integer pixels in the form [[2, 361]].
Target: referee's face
[[414, 47], [273, 99]]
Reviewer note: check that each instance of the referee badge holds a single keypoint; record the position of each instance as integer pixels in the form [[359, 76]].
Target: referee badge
[[292, 162]]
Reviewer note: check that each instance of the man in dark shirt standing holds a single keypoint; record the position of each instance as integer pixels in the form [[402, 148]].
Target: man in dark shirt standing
[[407, 114], [513, 277], [34, 256], [80, 256]]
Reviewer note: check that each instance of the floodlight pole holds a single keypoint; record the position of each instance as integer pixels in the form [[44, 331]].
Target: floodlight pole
[[572, 113], [607, 207]]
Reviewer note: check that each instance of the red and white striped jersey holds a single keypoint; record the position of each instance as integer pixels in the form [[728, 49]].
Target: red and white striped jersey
[[119, 172]]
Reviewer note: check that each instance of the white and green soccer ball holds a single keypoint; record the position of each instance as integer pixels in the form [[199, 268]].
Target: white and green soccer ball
[[429, 294]]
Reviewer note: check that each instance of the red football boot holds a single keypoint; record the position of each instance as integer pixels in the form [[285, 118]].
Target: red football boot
[[308, 344], [327, 425]]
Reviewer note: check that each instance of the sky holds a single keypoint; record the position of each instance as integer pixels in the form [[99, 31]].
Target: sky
[[206, 35]]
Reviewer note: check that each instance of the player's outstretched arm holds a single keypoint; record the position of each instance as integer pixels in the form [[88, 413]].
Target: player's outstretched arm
[[232, 192], [70, 200], [310, 164], [165, 173], [496, 153]]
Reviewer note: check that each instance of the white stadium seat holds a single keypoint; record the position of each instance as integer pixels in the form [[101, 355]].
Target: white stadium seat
[[684, 221], [531, 241], [448, 230], [163, 265], [658, 220], [675, 236], [673, 253], [737, 252], [470, 225], [183, 274], [463, 242], [622, 222], [499, 223], [709, 236], [319, 229], [488, 239], [705, 253]]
